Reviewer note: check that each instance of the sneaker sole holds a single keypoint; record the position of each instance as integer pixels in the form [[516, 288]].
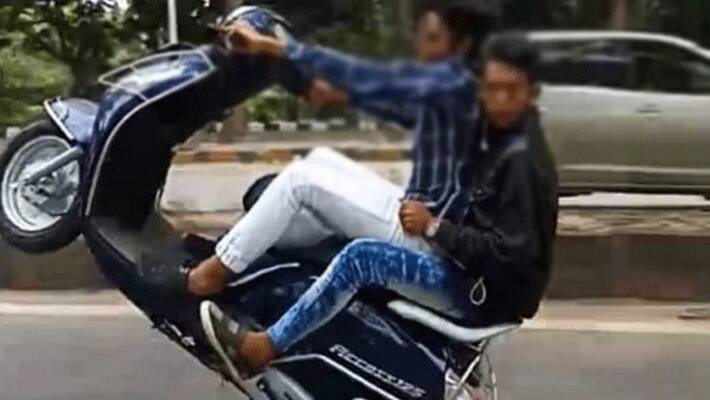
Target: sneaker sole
[[208, 328]]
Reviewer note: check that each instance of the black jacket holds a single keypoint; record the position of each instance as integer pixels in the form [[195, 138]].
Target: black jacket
[[508, 234]]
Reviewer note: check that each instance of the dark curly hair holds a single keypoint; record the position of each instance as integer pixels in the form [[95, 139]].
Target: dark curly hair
[[471, 20], [514, 49]]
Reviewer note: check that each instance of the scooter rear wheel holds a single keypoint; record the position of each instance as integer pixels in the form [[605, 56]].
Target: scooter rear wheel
[[44, 216]]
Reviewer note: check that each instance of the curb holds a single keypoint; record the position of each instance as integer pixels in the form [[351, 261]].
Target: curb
[[660, 267], [696, 314], [265, 154]]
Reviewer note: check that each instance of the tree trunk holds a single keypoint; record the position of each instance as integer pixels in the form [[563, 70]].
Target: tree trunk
[[694, 15], [591, 14], [620, 14], [405, 17], [234, 128], [83, 78]]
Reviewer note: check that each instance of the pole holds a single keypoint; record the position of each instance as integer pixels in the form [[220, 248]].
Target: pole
[[172, 21], [405, 18], [620, 14]]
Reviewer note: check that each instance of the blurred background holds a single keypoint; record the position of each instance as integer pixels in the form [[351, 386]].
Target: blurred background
[[625, 101], [68, 44], [626, 90]]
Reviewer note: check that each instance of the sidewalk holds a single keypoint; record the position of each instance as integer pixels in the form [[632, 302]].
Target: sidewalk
[[605, 316], [285, 151], [618, 316], [279, 147], [219, 187]]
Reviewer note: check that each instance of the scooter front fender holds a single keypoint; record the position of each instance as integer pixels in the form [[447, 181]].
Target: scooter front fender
[[74, 117]]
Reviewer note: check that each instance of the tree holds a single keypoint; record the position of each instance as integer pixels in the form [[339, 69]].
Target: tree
[[620, 14], [89, 38], [680, 17], [686, 18], [146, 21], [369, 27], [537, 14], [78, 34]]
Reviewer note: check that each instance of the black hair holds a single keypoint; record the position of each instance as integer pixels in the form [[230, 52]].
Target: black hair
[[423, 7], [471, 20], [514, 49]]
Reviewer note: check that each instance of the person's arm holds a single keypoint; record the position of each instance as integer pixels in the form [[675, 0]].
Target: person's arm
[[293, 79], [399, 81], [403, 114], [514, 238], [323, 94], [364, 79]]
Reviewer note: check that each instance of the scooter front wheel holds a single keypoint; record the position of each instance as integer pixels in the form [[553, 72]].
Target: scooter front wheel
[[39, 215]]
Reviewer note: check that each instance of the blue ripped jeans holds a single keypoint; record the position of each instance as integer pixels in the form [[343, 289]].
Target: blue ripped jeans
[[418, 276]]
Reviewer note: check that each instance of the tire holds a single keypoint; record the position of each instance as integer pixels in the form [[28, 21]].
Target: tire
[[47, 232]]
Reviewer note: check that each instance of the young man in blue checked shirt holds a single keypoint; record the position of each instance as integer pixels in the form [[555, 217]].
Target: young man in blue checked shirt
[[505, 240], [336, 196]]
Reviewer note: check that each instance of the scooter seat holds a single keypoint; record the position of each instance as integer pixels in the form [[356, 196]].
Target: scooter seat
[[422, 316]]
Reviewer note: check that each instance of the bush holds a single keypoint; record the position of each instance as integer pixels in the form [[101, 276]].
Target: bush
[[26, 81]]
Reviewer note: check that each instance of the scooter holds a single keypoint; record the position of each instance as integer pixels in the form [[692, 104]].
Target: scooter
[[98, 169]]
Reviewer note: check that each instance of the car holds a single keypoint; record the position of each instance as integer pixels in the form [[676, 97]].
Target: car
[[626, 111]]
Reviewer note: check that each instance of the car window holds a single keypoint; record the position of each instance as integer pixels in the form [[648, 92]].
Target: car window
[[598, 63], [661, 67]]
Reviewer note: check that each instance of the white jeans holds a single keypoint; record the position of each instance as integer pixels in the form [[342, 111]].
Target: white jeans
[[324, 194]]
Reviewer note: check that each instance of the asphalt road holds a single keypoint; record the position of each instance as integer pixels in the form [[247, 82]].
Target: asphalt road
[[100, 358]]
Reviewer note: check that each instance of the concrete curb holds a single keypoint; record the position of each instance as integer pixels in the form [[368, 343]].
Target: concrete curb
[[659, 267], [70, 268], [597, 264], [249, 154], [650, 266]]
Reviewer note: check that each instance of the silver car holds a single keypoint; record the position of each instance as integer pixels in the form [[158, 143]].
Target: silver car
[[626, 111]]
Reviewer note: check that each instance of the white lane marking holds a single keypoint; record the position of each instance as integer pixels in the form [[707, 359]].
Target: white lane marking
[[68, 310], [658, 327]]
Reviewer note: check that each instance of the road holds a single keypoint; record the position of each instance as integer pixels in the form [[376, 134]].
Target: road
[[100, 358]]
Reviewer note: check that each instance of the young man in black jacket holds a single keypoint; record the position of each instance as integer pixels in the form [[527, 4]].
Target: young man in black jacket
[[491, 268]]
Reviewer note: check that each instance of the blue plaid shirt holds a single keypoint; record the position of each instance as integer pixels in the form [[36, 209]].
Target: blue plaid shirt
[[437, 101]]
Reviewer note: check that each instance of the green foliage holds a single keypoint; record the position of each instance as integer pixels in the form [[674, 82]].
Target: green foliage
[[368, 27], [268, 106], [80, 35], [688, 18], [146, 21], [67, 43], [23, 89]]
